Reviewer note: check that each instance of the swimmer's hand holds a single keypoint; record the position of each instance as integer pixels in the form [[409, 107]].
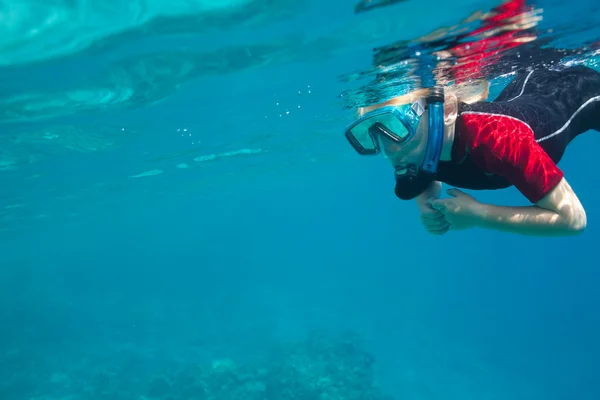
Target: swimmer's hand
[[432, 219], [460, 211]]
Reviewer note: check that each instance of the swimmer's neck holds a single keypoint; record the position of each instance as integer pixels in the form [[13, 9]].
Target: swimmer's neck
[[449, 130]]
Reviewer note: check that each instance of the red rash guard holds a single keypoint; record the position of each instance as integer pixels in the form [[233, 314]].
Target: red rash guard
[[505, 146], [519, 138]]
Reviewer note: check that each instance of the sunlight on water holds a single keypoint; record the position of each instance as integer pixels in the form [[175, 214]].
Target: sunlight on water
[[31, 30]]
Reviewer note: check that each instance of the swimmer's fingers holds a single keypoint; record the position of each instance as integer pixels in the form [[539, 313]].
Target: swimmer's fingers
[[432, 216], [436, 225], [433, 219], [438, 230]]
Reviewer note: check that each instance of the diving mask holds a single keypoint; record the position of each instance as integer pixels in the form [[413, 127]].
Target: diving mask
[[395, 123]]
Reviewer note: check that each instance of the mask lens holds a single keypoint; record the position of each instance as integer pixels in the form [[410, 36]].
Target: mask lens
[[363, 135], [388, 146]]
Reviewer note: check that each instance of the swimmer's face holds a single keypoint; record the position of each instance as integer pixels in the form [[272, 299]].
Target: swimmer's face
[[410, 152]]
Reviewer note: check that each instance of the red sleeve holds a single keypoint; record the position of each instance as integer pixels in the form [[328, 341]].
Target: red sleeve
[[506, 146]]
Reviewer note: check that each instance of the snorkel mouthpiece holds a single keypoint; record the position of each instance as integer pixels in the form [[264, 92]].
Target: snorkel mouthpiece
[[412, 182]]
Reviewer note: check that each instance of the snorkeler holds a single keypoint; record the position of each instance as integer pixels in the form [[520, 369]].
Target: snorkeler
[[447, 135]]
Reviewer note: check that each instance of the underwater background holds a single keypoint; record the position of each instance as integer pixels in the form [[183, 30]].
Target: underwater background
[[181, 217]]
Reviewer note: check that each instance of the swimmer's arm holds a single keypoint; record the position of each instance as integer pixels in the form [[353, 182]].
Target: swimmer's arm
[[558, 213]]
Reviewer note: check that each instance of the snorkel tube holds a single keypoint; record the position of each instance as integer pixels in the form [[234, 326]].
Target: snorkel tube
[[410, 181], [435, 137]]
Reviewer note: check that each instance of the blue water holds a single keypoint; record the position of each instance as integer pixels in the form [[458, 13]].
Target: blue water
[[176, 190]]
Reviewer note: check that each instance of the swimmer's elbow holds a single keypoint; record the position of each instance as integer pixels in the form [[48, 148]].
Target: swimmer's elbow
[[563, 201], [577, 222], [573, 215]]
